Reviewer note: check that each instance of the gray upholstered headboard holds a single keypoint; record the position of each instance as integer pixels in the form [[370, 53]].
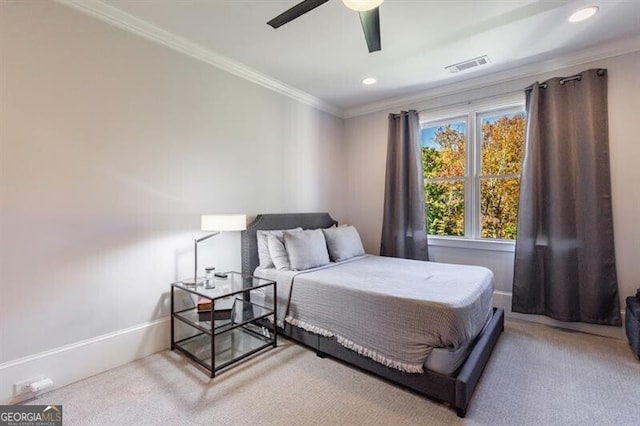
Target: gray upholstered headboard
[[277, 221]]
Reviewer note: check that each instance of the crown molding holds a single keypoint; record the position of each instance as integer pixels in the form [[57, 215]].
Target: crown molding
[[600, 52], [142, 28]]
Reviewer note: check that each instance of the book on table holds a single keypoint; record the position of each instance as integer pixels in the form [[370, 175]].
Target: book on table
[[223, 309], [203, 305]]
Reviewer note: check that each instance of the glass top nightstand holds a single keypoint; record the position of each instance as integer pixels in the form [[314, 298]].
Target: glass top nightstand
[[220, 326]]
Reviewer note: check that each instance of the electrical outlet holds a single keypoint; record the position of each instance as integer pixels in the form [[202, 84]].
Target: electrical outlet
[[22, 387]]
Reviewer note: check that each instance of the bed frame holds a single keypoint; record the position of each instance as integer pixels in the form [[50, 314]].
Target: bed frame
[[456, 389]]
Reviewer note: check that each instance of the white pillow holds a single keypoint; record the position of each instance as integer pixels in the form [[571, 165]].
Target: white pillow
[[306, 249], [264, 255], [343, 243], [278, 253]]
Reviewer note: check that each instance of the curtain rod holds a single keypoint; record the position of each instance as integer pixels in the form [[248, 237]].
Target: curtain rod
[[600, 72], [399, 114], [578, 77]]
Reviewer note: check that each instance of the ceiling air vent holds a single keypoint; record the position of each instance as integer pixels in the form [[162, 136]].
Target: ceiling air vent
[[471, 63]]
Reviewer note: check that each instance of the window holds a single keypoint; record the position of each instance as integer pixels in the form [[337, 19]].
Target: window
[[472, 165]]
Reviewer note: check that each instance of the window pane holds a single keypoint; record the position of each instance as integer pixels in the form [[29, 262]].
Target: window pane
[[499, 208], [445, 208], [443, 150], [502, 143]]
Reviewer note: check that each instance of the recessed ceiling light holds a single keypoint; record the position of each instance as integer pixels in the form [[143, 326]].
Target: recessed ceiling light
[[369, 81], [583, 14]]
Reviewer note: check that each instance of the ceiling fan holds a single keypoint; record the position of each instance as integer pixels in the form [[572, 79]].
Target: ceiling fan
[[368, 10]]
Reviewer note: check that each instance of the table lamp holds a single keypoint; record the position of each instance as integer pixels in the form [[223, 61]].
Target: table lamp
[[217, 223]]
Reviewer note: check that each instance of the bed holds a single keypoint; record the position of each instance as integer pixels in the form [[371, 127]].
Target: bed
[[456, 352]]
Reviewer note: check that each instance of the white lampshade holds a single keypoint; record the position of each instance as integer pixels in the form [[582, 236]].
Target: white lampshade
[[224, 222], [362, 5]]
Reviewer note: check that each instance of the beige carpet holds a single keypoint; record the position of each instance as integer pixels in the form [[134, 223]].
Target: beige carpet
[[537, 375]]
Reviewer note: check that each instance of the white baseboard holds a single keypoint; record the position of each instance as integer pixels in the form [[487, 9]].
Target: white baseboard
[[68, 364], [77, 361], [502, 299]]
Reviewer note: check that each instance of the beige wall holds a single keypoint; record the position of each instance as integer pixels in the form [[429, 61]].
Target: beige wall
[[111, 148], [365, 139]]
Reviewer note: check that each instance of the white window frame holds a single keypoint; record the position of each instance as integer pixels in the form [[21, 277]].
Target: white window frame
[[473, 112]]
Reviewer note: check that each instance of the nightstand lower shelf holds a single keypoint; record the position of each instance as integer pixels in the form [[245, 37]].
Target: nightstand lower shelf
[[230, 347]]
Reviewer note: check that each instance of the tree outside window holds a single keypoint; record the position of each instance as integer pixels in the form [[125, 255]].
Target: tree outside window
[[479, 180]]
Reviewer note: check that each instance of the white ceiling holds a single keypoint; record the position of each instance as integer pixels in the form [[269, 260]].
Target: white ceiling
[[323, 53]]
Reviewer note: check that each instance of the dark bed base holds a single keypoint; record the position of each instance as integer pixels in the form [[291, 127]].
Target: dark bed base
[[455, 390]]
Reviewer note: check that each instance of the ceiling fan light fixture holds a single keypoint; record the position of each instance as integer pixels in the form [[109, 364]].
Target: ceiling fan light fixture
[[368, 11], [362, 5], [583, 14]]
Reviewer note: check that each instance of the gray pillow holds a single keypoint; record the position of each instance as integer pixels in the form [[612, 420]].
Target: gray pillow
[[263, 250], [278, 252], [264, 255], [343, 243], [306, 249]]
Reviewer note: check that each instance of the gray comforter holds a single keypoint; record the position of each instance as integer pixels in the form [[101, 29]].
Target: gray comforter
[[391, 310]]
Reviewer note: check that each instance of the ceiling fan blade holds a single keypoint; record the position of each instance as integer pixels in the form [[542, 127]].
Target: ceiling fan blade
[[295, 12], [370, 21]]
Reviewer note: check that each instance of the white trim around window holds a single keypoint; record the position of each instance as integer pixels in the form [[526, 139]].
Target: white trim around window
[[474, 244], [473, 112]]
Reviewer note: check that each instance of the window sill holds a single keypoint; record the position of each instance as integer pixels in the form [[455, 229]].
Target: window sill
[[466, 243]]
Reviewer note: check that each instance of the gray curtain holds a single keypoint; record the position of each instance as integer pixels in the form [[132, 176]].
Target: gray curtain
[[404, 232], [565, 264]]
